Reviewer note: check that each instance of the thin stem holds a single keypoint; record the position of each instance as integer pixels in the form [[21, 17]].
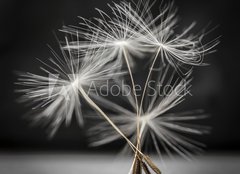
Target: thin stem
[[131, 77], [148, 77], [93, 104], [136, 101], [141, 103], [134, 148]]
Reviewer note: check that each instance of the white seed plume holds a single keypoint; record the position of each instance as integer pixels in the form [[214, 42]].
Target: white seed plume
[[156, 123], [176, 49], [111, 34], [55, 94], [134, 28]]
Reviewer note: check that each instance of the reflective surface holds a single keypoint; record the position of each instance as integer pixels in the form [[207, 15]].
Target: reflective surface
[[104, 164]]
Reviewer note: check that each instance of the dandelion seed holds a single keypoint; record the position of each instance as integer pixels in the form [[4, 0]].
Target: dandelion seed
[[56, 93], [111, 36], [134, 28], [176, 49], [155, 121]]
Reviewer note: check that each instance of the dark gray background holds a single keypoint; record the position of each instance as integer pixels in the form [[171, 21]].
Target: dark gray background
[[28, 26]]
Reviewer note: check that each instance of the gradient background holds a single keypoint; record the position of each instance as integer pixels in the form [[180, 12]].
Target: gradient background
[[28, 26]]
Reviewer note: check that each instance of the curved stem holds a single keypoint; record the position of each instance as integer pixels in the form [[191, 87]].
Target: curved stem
[[131, 77], [133, 88], [148, 77], [95, 106], [136, 101], [139, 155], [140, 107]]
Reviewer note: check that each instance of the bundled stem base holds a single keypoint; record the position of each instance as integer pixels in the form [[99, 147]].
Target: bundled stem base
[[143, 164]]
